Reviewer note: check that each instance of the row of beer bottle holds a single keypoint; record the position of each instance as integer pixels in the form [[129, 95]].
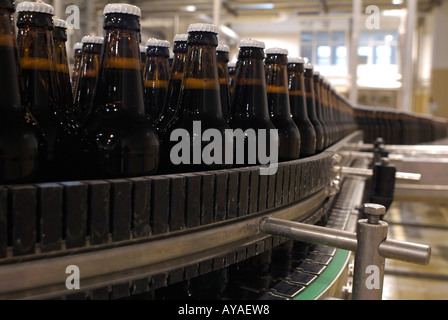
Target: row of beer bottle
[[397, 127], [162, 87], [104, 128], [34, 68], [42, 137]]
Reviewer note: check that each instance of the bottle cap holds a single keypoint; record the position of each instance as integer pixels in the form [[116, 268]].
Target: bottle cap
[[277, 51], [123, 8], [202, 27], [296, 60], [183, 37], [223, 48], [77, 46], [158, 43], [309, 66], [92, 39], [316, 73], [59, 23], [250, 43], [35, 7]]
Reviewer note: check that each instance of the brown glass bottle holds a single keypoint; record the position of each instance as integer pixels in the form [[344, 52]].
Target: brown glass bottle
[[63, 82], [156, 76], [222, 52], [118, 139], [88, 75], [311, 106], [37, 57], [299, 110], [276, 64], [21, 142], [77, 55], [199, 106], [171, 105], [320, 108], [249, 104]]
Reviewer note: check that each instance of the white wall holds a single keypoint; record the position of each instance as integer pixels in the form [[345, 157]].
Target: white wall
[[440, 46]]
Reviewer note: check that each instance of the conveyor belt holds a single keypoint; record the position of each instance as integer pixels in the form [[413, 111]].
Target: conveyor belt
[[136, 236]]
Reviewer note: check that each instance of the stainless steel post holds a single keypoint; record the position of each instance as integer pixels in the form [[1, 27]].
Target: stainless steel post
[[369, 264], [370, 245]]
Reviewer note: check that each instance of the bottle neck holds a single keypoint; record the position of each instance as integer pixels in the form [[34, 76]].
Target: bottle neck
[[35, 41], [61, 59], [309, 94], [277, 85], [223, 70], [296, 83], [157, 69], [90, 60], [318, 98], [296, 79], [177, 69], [10, 95], [199, 96], [119, 91], [250, 99], [222, 56]]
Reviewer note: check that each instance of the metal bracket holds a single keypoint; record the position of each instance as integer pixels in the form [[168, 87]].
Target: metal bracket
[[370, 245]]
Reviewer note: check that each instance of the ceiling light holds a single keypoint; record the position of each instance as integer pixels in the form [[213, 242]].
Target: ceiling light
[[190, 8], [256, 6]]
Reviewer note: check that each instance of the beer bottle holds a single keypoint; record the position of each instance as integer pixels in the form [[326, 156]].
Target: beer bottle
[[21, 142], [299, 110], [36, 51], [63, 83], [117, 139], [199, 108], [156, 76], [76, 66], [311, 106], [88, 75], [232, 72], [170, 108], [319, 108], [222, 52], [249, 104], [279, 105]]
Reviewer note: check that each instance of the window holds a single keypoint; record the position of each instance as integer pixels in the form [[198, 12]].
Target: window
[[378, 47], [324, 48]]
